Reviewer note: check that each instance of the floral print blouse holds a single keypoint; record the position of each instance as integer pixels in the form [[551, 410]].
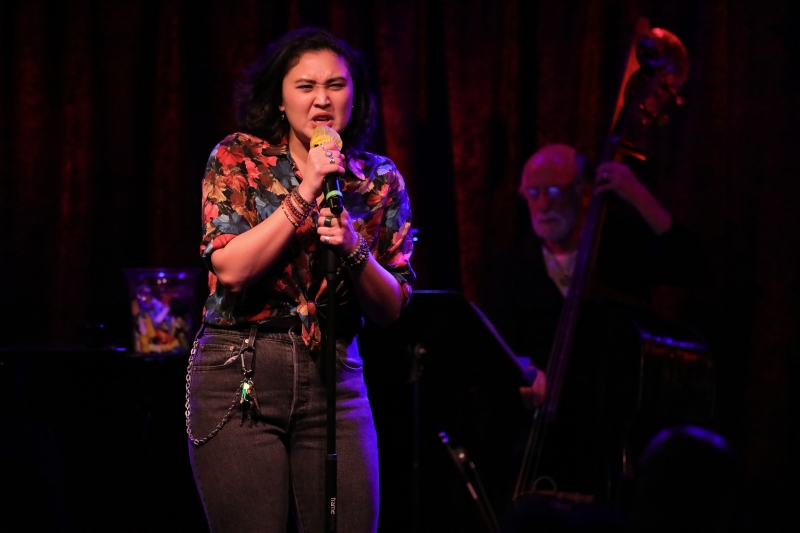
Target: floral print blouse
[[245, 182]]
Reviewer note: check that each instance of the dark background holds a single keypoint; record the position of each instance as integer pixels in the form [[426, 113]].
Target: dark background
[[108, 111]]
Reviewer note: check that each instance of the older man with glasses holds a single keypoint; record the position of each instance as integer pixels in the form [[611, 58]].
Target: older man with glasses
[[642, 247]]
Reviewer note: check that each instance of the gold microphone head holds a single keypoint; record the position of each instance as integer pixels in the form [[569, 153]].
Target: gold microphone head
[[325, 134]]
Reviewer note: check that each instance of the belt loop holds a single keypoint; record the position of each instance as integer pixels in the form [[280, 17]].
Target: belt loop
[[197, 336], [200, 331]]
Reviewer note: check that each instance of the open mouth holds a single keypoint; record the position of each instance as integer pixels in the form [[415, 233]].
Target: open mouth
[[323, 119]]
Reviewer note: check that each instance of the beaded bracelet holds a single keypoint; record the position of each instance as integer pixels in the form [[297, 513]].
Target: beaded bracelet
[[294, 222], [299, 215], [302, 201], [359, 256], [292, 213]]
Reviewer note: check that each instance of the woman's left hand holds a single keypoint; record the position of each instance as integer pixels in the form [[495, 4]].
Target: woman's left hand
[[337, 231], [617, 177]]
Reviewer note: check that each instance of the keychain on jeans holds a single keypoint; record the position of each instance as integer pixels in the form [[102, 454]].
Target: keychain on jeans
[[245, 395], [248, 399]]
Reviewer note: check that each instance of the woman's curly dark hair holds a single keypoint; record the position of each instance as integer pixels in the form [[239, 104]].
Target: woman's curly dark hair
[[259, 93]]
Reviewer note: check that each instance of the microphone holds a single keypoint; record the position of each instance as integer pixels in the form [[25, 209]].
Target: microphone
[[330, 185]]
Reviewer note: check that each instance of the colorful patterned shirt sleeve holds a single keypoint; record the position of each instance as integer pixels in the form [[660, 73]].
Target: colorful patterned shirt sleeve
[[393, 244], [231, 203]]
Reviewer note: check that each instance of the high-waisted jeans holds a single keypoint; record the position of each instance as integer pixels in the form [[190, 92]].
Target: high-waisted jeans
[[253, 473]]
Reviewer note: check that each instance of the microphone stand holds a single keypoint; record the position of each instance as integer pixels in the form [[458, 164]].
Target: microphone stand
[[331, 458], [334, 200]]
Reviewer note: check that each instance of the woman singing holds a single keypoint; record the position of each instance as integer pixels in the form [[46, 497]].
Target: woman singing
[[256, 401]]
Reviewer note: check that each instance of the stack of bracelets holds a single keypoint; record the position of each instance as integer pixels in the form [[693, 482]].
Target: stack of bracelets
[[358, 258], [296, 208]]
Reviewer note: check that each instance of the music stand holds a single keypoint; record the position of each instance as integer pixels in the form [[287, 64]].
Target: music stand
[[442, 367]]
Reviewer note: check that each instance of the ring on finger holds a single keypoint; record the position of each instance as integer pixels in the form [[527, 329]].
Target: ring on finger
[[328, 153], [333, 161], [327, 222], [327, 239]]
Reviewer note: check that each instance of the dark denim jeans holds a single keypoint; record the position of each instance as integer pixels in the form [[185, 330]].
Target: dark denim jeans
[[250, 475]]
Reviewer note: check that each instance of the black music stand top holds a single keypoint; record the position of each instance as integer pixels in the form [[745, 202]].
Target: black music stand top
[[459, 340]]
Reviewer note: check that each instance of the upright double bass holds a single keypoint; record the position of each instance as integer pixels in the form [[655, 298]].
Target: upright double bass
[[657, 66]]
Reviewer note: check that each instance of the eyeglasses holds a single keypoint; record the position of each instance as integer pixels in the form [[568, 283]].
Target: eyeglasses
[[553, 192]]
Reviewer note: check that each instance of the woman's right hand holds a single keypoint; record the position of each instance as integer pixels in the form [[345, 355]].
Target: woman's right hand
[[322, 160]]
